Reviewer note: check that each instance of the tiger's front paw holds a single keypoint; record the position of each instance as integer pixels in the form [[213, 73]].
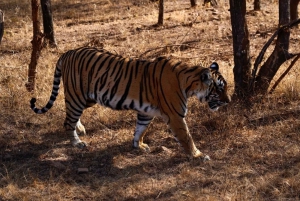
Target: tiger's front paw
[[199, 154]]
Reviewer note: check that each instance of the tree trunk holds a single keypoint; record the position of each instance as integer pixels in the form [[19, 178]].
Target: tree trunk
[[36, 46], [161, 13], [256, 4], [193, 3], [279, 55], [210, 3], [48, 23], [294, 9], [241, 48], [1, 25]]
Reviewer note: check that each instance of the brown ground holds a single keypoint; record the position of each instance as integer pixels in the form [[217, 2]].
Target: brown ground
[[255, 153]]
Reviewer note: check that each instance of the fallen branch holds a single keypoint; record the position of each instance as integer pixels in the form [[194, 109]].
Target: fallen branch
[[284, 74]]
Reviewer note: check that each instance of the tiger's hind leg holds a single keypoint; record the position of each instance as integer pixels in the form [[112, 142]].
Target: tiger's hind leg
[[141, 125], [73, 125], [80, 128]]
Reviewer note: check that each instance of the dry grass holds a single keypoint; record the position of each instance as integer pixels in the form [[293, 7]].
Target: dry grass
[[253, 158]]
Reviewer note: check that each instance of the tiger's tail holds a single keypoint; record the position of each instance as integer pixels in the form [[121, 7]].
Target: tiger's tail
[[55, 90]]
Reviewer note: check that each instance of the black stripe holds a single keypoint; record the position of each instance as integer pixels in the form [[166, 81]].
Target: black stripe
[[114, 89], [154, 75], [191, 69], [137, 66], [144, 118], [131, 106], [174, 66], [175, 109], [123, 98], [160, 81], [145, 78], [91, 71], [101, 65]]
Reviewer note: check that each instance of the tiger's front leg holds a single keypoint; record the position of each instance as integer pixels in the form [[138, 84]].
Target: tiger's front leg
[[141, 125], [182, 134]]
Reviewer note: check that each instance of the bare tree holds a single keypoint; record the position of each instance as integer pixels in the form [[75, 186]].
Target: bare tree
[[241, 47], [294, 9], [279, 55], [211, 2], [193, 3], [48, 23], [36, 46], [246, 85], [161, 13], [256, 4], [1, 25]]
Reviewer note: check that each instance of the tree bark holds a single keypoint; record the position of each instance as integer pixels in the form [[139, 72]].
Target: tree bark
[[48, 23], [241, 48], [161, 13], [294, 9], [1, 25], [256, 4], [279, 55], [210, 2], [193, 3], [36, 46]]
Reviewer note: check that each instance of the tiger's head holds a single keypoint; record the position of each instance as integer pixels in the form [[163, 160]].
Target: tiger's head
[[216, 93]]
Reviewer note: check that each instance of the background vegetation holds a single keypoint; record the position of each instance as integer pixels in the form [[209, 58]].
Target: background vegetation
[[255, 153]]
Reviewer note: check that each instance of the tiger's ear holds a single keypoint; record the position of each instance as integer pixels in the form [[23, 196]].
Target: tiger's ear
[[214, 66], [206, 77]]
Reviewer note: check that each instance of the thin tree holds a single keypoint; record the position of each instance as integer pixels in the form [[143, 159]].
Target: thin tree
[[241, 48], [256, 4], [279, 55], [48, 23], [161, 13], [248, 86], [210, 2], [294, 9], [1, 25], [193, 3], [36, 46]]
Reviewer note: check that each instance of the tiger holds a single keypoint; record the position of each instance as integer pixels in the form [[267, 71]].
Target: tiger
[[156, 88]]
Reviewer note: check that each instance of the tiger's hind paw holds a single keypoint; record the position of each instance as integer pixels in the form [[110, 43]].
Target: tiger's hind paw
[[144, 147], [80, 129]]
